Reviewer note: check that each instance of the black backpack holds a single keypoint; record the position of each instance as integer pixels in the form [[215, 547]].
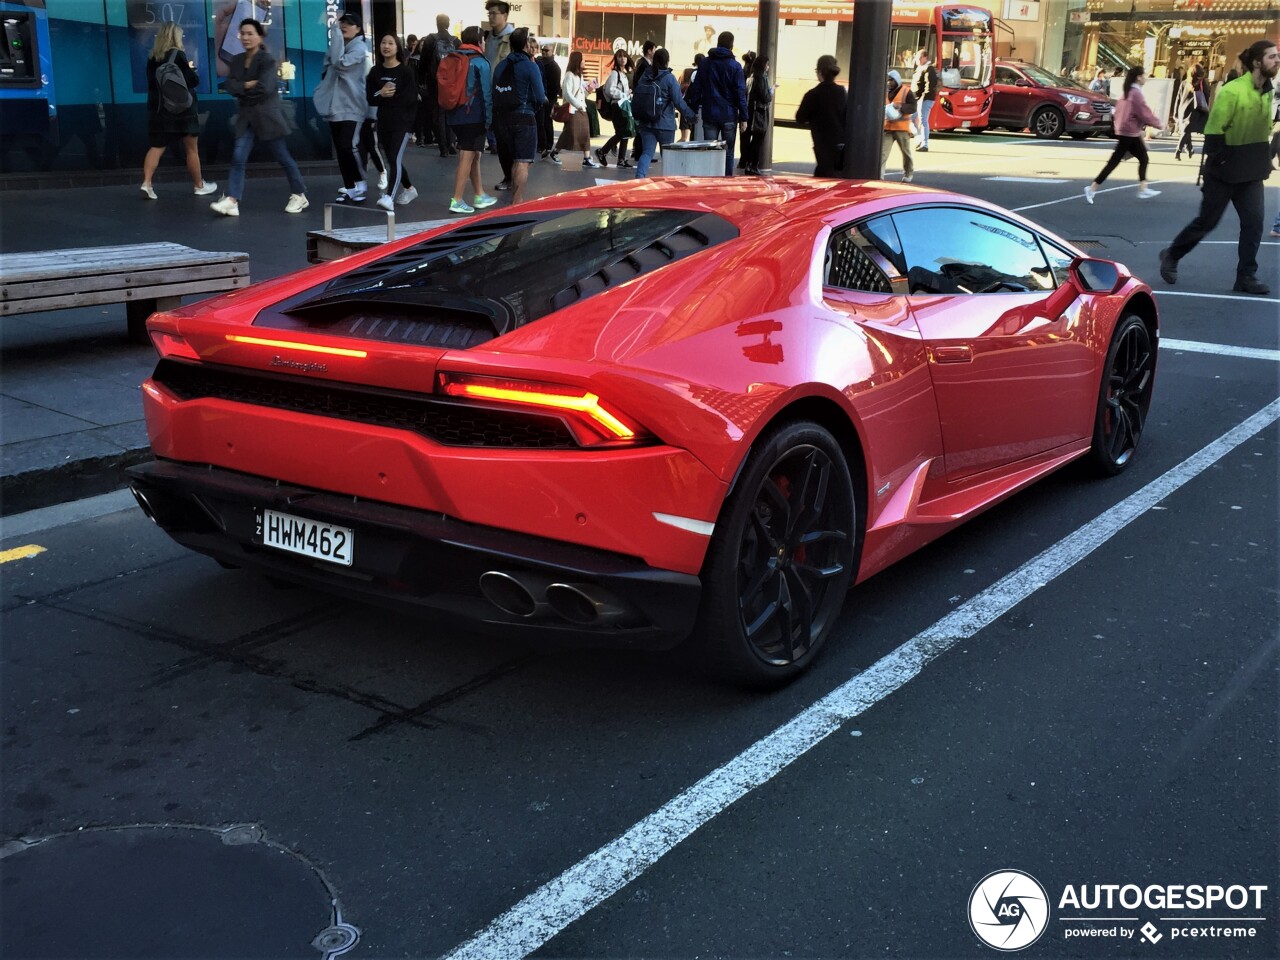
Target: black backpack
[[505, 96], [647, 100], [171, 82]]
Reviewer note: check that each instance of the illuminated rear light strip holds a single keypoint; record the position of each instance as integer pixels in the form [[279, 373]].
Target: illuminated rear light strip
[[293, 345], [587, 403]]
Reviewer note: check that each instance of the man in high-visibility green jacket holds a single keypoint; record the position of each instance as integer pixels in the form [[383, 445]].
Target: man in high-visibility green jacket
[[1236, 162]]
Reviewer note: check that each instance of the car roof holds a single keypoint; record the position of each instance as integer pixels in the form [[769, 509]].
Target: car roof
[[750, 203]]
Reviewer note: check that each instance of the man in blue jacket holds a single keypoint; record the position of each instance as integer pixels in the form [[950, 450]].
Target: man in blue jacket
[[518, 95], [720, 92]]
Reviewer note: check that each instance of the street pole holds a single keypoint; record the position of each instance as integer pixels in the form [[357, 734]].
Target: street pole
[[868, 64], [767, 46]]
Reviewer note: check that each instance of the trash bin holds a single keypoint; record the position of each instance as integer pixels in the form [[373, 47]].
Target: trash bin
[[693, 158]]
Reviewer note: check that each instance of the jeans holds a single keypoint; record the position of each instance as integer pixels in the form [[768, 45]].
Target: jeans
[[649, 139], [920, 122], [1247, 198], [240, 156], [728, 132]]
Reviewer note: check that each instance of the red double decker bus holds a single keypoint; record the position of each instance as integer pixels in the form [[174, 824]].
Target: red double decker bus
[[958, 36]]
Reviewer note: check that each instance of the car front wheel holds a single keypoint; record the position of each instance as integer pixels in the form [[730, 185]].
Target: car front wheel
[[1125, 396], [1047, 123], [781, 559]]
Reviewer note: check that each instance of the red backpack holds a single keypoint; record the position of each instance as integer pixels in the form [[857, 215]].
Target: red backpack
[[451, 80]]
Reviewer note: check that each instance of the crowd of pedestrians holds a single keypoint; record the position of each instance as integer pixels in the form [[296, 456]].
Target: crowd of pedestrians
[[498, 91]]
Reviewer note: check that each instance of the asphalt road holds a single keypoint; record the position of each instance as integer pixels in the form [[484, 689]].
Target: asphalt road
[[1081, 684]]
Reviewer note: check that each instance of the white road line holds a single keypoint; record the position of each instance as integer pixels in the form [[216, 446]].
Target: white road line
[[1215, 296], [1221, 349], [1080, 196], [552, 907], [1026, 179]]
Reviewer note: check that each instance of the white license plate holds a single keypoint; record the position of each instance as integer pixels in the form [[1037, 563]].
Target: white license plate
[[965, 123], [323, 541]]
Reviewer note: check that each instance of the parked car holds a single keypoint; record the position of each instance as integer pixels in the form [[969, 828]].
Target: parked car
[[667, 411], [1027, 96]]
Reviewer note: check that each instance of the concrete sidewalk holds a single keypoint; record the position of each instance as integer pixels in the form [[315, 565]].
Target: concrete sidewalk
[[70, 413]]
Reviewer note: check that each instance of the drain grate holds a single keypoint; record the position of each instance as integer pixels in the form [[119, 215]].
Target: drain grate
[[1090, 244]]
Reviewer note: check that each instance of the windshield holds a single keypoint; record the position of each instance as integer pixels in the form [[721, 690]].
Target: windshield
[[1046, 79], [965, 60]]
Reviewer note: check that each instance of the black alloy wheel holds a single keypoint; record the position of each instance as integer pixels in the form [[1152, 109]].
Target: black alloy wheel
[[1048, 123], [781, 560], [1125, 396]]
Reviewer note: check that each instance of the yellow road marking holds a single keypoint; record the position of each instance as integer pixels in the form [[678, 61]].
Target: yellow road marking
[[20, 553]]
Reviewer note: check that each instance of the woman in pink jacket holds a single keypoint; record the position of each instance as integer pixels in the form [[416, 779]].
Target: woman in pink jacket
[[1132, 117]]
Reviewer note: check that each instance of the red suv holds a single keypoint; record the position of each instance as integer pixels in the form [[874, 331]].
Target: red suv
[[1050, 105]]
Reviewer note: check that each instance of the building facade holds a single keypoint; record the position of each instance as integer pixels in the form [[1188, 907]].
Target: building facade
[[73, 72]]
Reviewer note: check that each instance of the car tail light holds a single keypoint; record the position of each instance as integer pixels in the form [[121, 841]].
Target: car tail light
[[594, 422], [296, 345], [169, 344]]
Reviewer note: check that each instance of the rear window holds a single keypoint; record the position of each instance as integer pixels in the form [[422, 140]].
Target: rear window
[[514, 270]]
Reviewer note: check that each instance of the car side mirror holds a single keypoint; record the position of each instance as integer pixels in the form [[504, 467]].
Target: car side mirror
[[1022, 83], [1096, 276]]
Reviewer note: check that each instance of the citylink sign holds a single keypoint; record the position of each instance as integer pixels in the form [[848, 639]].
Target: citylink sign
[[1009, 910]]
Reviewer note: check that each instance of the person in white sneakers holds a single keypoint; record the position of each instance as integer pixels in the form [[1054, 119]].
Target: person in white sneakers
[[252, 81], [392, 88], [167, 127], [340, 99], [1132, 117]]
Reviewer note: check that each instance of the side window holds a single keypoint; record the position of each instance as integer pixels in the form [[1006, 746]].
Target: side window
[[1059, 261], [1005, 75], [954, 250], [867, 257]]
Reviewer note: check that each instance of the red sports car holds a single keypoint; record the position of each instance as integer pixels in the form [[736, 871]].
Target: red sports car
[[659, 412]]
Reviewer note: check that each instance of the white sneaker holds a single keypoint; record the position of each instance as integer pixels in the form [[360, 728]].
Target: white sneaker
[[1147, 194], [208, 188], [907, 178], [147, 191], [226, 206], [297, 203], [386, 203], [1089, 192], [382, 180], [407, 195]]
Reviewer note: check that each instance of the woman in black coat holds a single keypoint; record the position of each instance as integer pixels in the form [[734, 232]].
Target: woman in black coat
[[1198, 111], [253, 82], [822, 110], [165, 129]]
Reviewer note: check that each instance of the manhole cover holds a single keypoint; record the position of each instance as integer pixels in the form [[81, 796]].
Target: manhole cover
[[166, 891]]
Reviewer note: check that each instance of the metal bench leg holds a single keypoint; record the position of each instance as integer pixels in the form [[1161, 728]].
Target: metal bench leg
[[137, 311]]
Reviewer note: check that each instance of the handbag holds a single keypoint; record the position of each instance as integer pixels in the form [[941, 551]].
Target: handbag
[[560, 113], [1202, 102]]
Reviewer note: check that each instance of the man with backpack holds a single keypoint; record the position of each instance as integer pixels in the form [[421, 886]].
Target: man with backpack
[[654, 102], [719, 91], [435, 47], [518, 95], [642, 67]]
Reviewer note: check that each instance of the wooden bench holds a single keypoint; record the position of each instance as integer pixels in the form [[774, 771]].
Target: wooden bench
[[330, 244], [145, 277]]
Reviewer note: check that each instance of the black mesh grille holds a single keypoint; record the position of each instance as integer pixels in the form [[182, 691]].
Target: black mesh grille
[[445, 421], [852, 269]]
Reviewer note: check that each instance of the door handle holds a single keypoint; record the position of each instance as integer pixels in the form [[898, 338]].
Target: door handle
[[953, 354]]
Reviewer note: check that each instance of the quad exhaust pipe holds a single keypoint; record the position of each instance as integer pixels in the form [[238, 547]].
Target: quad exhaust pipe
[[531, 597]]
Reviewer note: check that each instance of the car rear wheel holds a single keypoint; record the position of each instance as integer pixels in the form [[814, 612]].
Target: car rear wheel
[[781, 559], [1125, 396], [1048, 123]]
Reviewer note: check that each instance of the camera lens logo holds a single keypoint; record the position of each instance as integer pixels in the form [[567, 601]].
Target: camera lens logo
[[1008, 910]]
